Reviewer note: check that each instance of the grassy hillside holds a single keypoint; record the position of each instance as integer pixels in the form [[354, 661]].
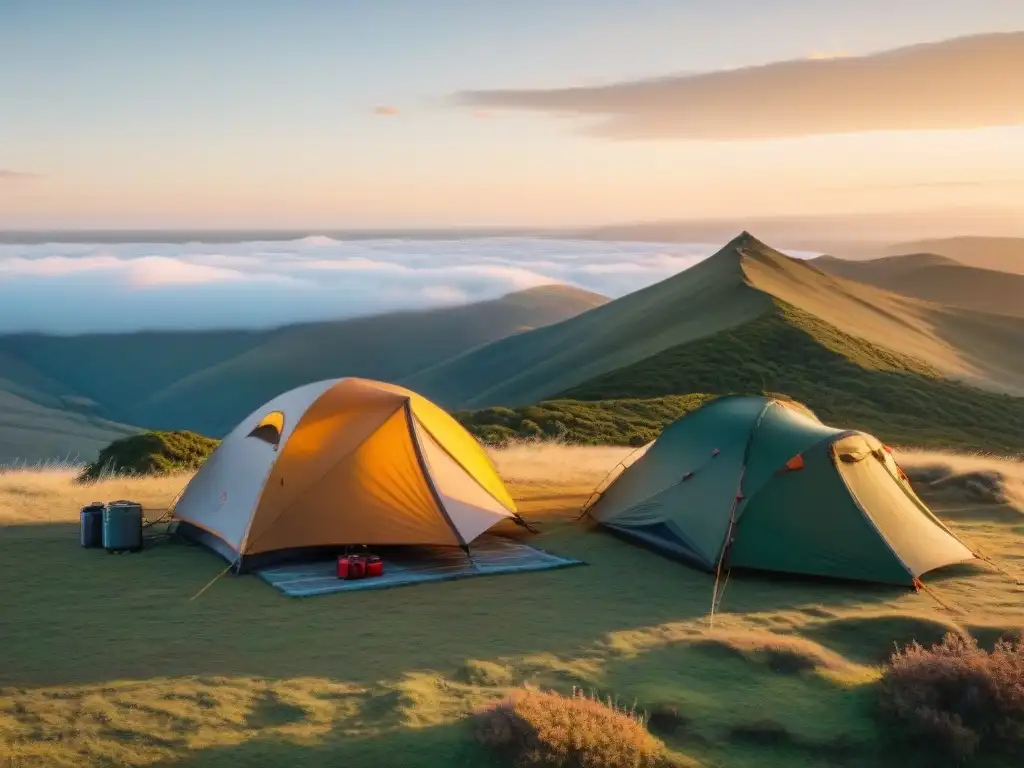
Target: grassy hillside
[[208, 380], [984, 349], [31, 432], [606, 422], [116, 370], [740, 283], [707, 298], [847, 382], [936, 279], [1002, 254], [386, 347]]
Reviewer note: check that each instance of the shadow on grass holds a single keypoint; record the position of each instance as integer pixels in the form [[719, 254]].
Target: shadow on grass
[[452, 746], [78, 616]]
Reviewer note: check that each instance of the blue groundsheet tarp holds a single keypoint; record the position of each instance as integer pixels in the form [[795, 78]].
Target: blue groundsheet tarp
[[491, 555]]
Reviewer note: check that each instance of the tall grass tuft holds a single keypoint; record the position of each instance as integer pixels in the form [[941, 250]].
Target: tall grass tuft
[[543, 729]]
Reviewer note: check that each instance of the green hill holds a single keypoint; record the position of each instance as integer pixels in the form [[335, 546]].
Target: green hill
[[31, 433], [937, 279], [385, 347], [117, 370], [74, 394], [607, 422], [846, 381], [41, 419], [744, 281], [709, 297]]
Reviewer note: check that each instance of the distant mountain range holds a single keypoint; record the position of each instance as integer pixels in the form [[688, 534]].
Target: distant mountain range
[[1002, 254], [70, 394], [916, 348], [938, 279]]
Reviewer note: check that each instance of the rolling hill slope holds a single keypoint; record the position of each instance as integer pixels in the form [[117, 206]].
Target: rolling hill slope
[[937, 279], [744, 281], [1002, 254], [30, 432], [707, 298], [846, 380], [207, 380], [385, 347]]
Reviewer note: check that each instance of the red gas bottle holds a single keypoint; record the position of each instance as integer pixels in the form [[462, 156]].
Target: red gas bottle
[[351, 567], [374, 566]]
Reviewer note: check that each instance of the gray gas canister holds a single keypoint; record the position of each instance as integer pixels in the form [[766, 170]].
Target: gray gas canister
[[122, 526], [91, 525]]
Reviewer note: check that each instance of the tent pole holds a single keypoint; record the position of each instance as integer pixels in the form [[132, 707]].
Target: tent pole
[[585, 510]]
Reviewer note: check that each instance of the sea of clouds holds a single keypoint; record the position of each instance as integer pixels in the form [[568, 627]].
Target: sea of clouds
[[95, 287]]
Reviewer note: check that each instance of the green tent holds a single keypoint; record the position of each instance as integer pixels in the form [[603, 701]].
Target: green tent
[[755, 482]]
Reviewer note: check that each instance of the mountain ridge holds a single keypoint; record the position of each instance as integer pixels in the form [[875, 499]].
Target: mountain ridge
[[740, 282], [617, 333]]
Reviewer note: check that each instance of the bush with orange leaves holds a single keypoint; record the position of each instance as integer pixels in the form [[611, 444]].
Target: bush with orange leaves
[[957, 697], [538, 729]]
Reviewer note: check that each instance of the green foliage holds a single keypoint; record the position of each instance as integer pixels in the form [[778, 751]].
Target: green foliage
[[151, 453], [609, 422], [845, 380]]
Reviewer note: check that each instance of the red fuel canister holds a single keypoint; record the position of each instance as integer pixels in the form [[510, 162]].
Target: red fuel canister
[[351, 567], [374, 566]]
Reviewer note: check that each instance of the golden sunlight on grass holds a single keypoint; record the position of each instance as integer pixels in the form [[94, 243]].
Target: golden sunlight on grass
[[108, 660], [52, 495]]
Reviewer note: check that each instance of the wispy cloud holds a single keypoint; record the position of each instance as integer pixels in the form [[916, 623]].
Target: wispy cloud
[[939, 184], [819, 55], [386, 111], [963, 83], [7, 174], [85, 287]]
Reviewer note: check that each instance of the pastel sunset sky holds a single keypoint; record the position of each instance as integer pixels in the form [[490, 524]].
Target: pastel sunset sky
[[409, 113]]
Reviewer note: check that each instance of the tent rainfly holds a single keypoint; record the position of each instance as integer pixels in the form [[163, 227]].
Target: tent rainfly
[[755, 482], [342, 462]]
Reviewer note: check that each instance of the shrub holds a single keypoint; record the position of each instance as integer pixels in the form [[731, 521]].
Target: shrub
[[151, 453], [957, 697], [539, 728]]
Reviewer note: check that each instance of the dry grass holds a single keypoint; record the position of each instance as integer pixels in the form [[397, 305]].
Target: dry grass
[[556, 464], [994, 479], [106, 660], [543, 729], [50, 494]]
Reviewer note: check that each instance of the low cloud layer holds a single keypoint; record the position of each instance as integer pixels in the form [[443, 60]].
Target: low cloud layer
[[964, 83], [78, 288], [385, 111]]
